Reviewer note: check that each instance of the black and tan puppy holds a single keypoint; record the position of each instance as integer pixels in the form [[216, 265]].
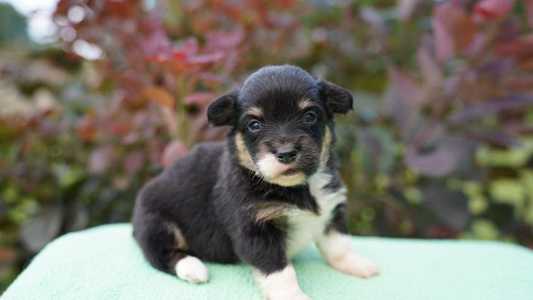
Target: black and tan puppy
[[262, 196]]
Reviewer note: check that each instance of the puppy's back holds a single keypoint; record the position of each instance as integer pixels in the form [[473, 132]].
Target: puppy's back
[[186, 184]]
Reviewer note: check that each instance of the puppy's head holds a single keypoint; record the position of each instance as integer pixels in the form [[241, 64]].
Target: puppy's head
[[282, 121]]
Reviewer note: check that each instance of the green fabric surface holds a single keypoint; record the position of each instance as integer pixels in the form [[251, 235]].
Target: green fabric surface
[[105, 263]]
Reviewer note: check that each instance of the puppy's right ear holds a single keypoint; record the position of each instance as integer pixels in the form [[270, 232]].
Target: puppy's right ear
[[223, 111], [338, 100]]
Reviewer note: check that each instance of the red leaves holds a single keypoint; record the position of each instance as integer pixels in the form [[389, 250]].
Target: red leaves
[[179, 55], [159, 96], [199, 98], [202, 59], [135, 161], [120, 128], [171, 122], [86, 130], [406, 8], [444, 46], [224, 39], [403, 99], [529, 11], [465, 73], [519, 48], [172, 152], [453, 29], [190, 58], [101, 158], [430, 69], [7, 256], [91, 128], [142, 66], [491, 10]]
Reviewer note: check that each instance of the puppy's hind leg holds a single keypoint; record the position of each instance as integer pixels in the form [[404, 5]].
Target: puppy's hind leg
[[191, 269], [186, 266], [166, 249]]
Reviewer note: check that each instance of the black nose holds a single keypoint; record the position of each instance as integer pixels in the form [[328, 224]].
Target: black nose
[[286, 154]]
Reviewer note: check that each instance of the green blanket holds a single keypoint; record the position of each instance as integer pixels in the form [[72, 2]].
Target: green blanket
[[105, 263]]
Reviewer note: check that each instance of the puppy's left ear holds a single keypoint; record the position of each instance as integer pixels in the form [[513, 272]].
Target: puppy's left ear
[[338, 100], [223, 111]]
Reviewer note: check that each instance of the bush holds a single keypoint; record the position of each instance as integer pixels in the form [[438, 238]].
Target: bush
[[438, 146]]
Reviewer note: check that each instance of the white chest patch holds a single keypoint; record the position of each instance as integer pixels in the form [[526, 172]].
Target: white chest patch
[[304, 226]]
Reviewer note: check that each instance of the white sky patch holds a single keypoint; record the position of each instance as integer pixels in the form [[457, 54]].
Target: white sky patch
[[41, 29]]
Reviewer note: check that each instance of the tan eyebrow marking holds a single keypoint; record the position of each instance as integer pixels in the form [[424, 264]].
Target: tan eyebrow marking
[[305, 103], [255, 111]]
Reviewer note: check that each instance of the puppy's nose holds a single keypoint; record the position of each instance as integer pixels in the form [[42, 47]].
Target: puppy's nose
[[286, 154]]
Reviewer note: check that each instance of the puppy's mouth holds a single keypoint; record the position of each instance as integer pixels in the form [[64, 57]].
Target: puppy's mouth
[[290, 177], [290, 172], [280, 174], [283, 171]]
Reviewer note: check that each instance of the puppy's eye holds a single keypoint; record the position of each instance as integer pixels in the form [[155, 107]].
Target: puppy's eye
[[254, 126], [310, 117]]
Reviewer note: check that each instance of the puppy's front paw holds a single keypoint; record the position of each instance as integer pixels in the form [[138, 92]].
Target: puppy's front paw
[[357, 265], [280, 295], [192, 269], [281, 285]]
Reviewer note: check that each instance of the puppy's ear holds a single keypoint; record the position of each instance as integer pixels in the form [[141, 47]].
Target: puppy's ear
[[223, 111], [337, 99]]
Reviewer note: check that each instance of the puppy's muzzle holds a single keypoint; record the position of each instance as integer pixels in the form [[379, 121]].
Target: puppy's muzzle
[[286, 154]]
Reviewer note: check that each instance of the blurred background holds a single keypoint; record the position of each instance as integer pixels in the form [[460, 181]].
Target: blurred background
[[98, 96]]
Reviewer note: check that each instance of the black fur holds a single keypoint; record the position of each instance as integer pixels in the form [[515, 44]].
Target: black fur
[[212, 198], [338, 100], [338, 221], [223, 111]]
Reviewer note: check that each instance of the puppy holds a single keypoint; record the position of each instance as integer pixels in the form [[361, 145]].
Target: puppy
[[261, 197]]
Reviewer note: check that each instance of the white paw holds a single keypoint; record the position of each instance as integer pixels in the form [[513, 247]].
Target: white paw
[[192, 269], [280, 295], [357, 265], [280, 285]]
